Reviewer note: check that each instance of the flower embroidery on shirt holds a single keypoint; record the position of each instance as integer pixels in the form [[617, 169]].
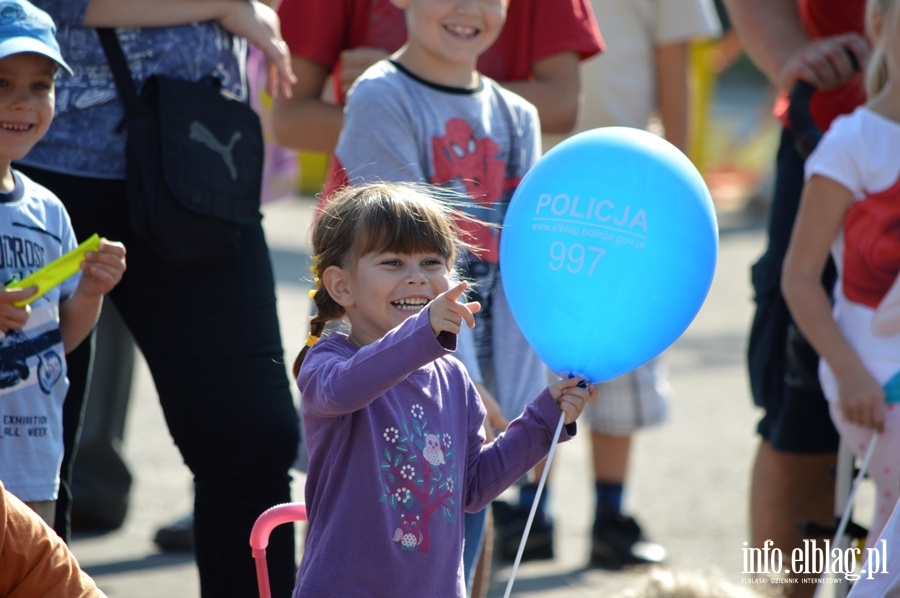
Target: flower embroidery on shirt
[[403, 495], [391, 434]]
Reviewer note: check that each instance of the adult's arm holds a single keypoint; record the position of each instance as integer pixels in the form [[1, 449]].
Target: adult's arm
[[304, 121], [555, 91], [773, 36], [770, 32], [33, 559], [157, 13], [673, 87], [249, 19]]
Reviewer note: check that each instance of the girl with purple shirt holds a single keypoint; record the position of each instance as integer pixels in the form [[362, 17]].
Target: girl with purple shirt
[[393, 423]]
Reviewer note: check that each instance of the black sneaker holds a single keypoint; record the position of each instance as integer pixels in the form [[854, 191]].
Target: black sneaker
[[509, 524], [98, 521], [618, 541], [177, 536]]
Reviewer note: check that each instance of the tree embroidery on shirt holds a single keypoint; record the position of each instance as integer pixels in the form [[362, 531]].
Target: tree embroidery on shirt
[[419, 475]]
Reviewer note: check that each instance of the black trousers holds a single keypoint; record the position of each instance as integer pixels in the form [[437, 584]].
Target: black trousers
[[782, 367], [212, 341]]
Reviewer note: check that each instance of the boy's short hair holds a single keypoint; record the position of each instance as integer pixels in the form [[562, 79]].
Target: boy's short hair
[[26, 28]]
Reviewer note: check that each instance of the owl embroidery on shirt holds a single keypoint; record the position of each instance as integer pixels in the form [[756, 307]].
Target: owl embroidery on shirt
[[409, 533], [432, 451]]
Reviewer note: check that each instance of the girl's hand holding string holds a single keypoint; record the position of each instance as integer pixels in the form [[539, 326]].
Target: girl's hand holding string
[[571, 394], [447, 314], [861, 399]]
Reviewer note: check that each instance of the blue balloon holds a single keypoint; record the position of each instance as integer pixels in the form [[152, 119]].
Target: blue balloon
[[607, 251]]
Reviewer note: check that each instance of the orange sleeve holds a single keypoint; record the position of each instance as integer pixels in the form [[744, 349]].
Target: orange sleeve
[[34, 560]]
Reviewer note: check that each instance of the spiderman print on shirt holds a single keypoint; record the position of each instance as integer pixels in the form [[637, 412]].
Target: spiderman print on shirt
[[476, 164]]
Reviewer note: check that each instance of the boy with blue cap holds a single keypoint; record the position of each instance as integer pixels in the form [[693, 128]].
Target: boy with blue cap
[[26, 28], [35, 230]]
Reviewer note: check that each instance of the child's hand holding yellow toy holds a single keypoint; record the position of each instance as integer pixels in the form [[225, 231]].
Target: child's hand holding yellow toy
[[102, 268], [101, 262]]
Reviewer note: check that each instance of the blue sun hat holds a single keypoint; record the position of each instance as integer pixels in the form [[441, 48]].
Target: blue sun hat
[[26, 28]]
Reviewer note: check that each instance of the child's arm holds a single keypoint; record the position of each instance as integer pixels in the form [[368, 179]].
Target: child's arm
[[822, 208], [100, 272], [493, 467], [333, 387]]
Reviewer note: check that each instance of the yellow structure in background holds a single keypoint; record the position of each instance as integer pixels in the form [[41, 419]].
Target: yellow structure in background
[[313, 168], [734, 155], [703, 73]]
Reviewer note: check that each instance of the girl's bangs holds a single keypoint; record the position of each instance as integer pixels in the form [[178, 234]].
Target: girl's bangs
[[406, 228]]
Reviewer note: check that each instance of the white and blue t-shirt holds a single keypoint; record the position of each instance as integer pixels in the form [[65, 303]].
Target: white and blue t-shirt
[[34, 230]]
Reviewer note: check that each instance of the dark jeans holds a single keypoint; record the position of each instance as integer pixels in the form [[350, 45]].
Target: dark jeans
[[211, 338]]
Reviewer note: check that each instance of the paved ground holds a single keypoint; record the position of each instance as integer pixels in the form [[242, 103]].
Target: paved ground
[[689, 479]]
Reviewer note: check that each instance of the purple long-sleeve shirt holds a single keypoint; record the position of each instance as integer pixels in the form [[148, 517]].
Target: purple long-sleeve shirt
[[397, 453]]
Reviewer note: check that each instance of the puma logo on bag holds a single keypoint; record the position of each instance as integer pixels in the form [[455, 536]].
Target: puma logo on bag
[[200, 133]]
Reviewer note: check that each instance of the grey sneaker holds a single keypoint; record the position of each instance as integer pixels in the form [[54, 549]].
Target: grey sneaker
[[177, 536]]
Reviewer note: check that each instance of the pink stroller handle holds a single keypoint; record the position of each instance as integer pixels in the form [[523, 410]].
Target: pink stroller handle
[[259, 537]]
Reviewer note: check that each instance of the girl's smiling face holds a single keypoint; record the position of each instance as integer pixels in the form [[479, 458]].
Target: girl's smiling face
[[384, 288]]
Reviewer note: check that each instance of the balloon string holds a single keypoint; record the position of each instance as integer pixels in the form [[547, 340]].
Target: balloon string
[[534, 505]]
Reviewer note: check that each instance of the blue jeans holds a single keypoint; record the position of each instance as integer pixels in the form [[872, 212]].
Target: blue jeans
[[475, 524]]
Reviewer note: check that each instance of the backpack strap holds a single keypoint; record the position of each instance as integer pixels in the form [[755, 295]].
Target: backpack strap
[[120, 72]]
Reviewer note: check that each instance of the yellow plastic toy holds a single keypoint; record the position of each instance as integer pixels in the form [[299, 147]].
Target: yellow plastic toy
[[56, 271]]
